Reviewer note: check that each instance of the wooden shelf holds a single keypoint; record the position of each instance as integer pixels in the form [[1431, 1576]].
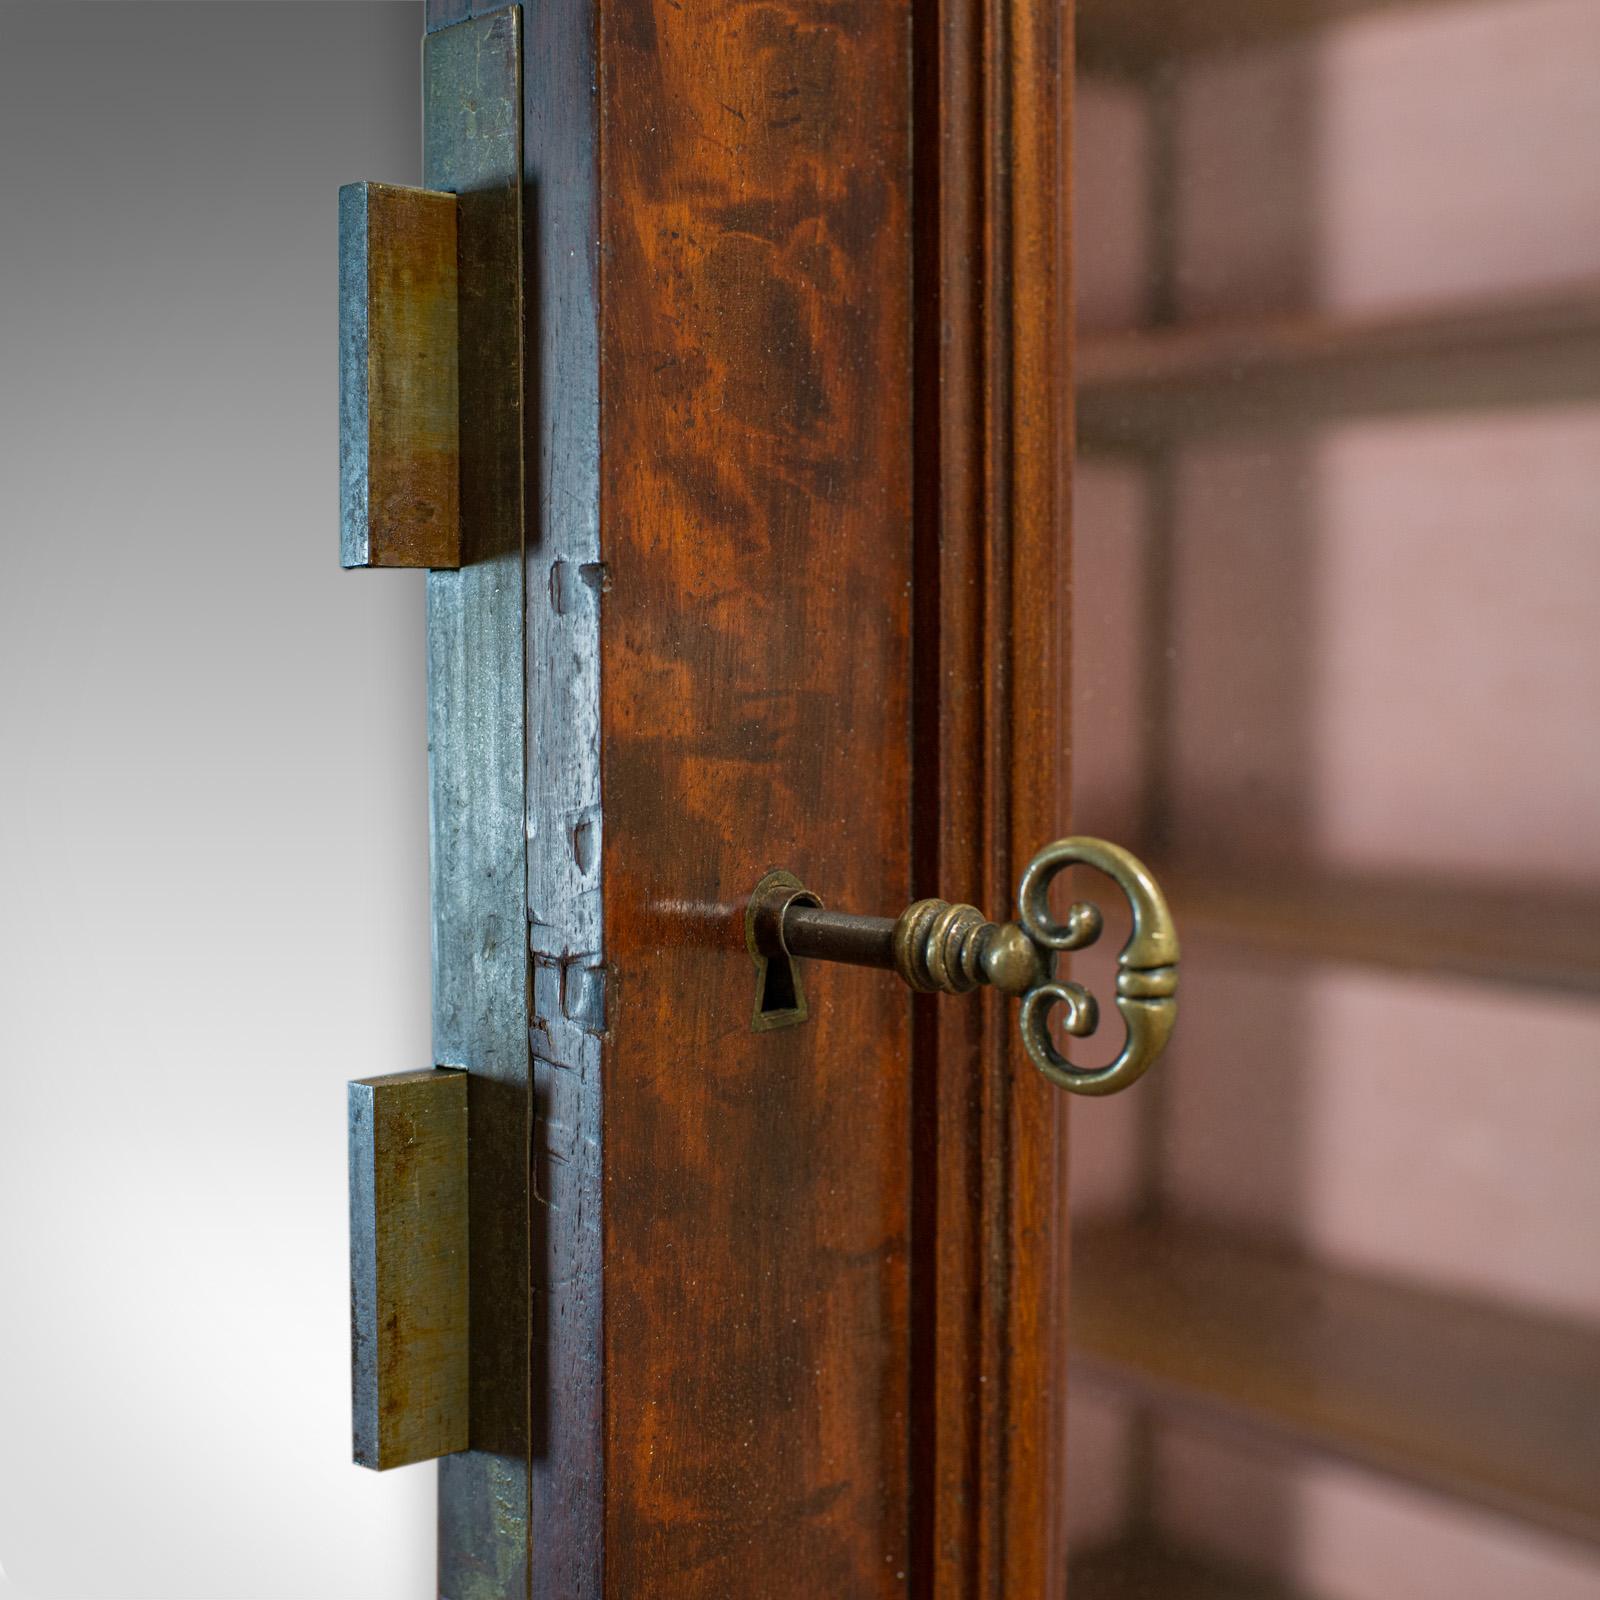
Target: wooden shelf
[[1501, 935], [1139, 390], [1494, 1406], [1134, 37], [1147, 1570]]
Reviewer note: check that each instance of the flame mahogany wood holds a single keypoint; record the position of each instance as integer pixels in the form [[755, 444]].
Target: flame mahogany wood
[[756, 675], [815, 1319]]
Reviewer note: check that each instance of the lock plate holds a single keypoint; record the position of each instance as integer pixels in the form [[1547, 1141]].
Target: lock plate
[[408, 1266], [399, 431]]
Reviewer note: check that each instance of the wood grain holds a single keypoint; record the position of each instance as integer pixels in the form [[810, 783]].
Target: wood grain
[[723, 426], [1496, 1406], [408, 1266], [399, 442], [994, 432], [755, 490]]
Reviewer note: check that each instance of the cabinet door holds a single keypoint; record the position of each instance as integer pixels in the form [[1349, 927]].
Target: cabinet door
[[768, 574]]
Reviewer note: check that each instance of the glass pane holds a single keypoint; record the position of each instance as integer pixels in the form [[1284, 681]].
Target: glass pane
[[1337, 564]]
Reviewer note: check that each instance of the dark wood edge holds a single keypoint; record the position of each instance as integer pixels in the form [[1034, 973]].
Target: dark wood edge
[[1146, 1565], [1137, 38], [1162, 1301], [1140, 389], [1505, 933], [993, 430]]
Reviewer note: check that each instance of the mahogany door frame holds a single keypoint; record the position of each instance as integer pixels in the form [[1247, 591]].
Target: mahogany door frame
[[994, 447], [991, 418]]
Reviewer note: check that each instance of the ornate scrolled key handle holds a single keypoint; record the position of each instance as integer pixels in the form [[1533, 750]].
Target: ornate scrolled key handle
[[937, 947]]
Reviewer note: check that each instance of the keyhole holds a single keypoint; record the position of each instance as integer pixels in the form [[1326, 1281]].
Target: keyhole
[[779, 1004], [780, 996]]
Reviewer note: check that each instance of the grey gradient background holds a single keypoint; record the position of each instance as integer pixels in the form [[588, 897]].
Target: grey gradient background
[[213, 807]]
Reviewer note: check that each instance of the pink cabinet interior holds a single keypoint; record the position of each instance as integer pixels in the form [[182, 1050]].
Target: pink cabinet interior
[[1337, 669]]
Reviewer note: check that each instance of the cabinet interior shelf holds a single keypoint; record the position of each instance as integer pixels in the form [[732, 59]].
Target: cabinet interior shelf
[[1141, 390], [1494, 1406], [1545, 939], [1130, 38], [1147, 1569]]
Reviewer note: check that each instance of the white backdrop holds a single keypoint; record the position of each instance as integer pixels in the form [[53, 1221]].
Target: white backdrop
[[213, 830]]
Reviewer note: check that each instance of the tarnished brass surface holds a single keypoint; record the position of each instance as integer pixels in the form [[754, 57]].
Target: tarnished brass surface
[[780, 996], [408, 1266], [399, 432], [937, 947], [1147, 966]]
